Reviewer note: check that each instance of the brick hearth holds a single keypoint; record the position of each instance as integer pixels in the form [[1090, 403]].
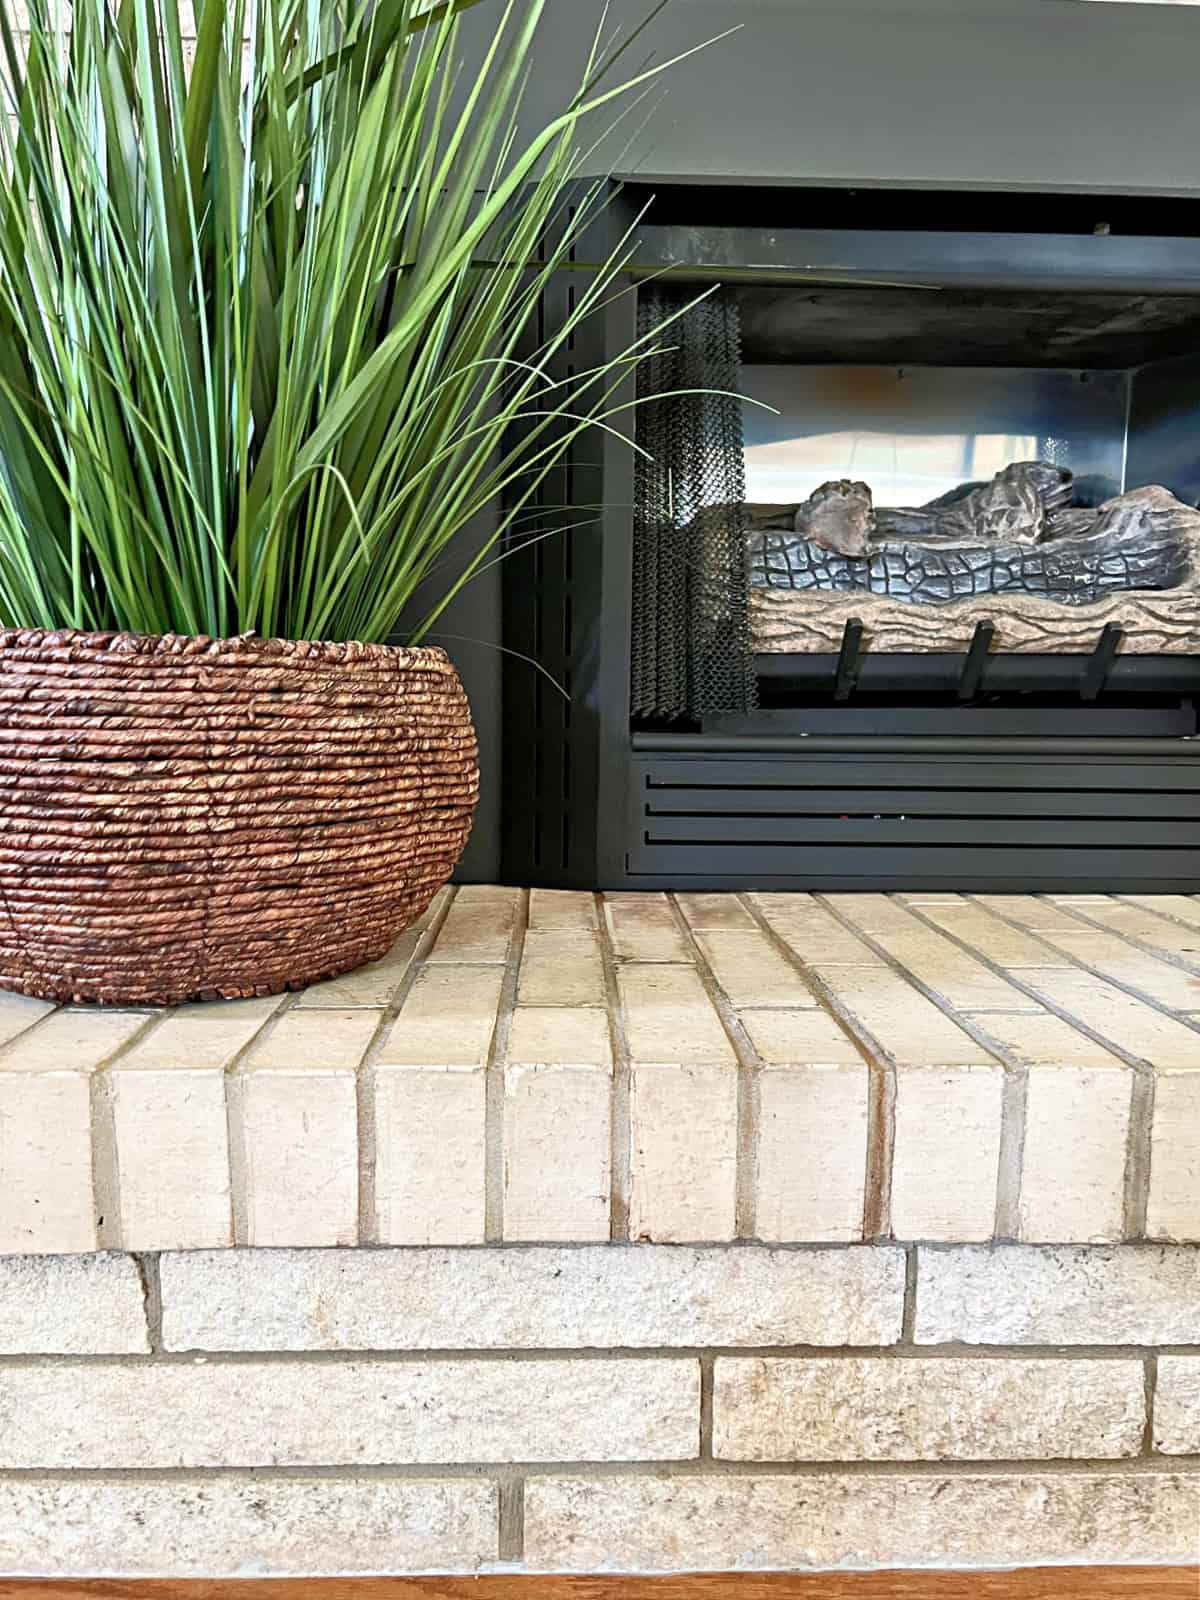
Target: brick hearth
[[562, 1067]]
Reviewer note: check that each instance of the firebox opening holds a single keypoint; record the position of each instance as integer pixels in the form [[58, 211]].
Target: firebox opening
[[932, 478]]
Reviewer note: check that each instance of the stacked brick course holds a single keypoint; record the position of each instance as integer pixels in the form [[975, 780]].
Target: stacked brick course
[[642, 1408]]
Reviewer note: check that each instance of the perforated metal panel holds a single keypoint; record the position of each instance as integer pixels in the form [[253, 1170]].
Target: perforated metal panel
[[691, 653]]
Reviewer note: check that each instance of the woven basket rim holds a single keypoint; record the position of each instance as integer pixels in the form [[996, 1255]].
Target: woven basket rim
[[134, 646]]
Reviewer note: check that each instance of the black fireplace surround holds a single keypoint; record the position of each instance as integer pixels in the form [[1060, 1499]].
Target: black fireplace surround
[[1069, 324]]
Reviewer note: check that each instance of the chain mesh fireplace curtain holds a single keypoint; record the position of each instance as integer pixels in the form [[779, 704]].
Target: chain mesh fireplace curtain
[[692, 655]]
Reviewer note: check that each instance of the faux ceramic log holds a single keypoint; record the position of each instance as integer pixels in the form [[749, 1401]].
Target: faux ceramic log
[[190, 818]]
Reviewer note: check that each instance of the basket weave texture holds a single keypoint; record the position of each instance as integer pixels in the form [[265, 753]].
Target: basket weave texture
[[190, 818]]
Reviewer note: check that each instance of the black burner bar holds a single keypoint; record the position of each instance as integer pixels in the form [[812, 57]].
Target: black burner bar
[[1099, 663], [976, 660], [848, 659]]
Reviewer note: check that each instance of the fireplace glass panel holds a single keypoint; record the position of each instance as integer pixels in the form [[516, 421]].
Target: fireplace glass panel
[[916, 433]]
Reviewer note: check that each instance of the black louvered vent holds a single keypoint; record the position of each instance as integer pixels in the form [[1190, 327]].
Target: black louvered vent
[[919, 821]]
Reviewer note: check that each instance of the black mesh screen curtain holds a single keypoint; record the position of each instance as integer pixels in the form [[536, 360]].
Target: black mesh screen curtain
[[691, 634]]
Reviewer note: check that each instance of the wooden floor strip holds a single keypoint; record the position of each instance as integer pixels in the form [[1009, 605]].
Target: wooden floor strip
[[1044, 1583]]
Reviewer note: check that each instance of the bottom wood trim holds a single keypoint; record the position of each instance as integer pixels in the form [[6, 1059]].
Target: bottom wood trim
[[1035, 1583]]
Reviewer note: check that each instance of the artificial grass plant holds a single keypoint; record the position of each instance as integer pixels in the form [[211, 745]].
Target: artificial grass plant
[[260, 311]]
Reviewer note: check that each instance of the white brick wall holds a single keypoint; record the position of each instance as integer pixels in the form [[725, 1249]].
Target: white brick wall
[[322, 1411]]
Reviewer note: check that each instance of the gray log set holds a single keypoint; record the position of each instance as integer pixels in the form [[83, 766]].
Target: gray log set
[[1020, 533], [999, 550]]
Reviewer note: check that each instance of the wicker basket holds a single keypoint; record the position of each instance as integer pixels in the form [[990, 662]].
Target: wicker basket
[[189, 818]]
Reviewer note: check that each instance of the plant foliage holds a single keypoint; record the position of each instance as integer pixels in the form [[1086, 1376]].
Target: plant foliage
[[260, 310]]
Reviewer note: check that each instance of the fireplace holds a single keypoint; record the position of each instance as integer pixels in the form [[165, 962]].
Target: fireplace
[[906, 593]]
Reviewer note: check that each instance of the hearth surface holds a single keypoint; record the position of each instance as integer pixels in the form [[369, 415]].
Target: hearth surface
[[555, 1066]]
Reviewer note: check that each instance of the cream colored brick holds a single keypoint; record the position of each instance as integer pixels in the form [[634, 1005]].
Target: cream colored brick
[[669, 1016], [203, 1527], [166, 1099], [1059, 1294], [959, 980], [1128, 1023], [18, 1012], [561, 969], [199, 1036], [46, 1196], [751, 970], [992, 937], [916, 1410], [813, 933], [428, 1154], [349, 1413], [539, 1297], [910, 1029], [294, 1111], [554, 1036], [946, 1160], [1142, 923], [172, 1158], [478, 925], [1040, 915], [956, 978], [299, 1041], [800, 1038], [683, 1160], [47, 1203], [812, 1153], [931, 897], [79, 1305], [561, 908], [1044, 1040], [724, 911], [1184, 908], [1073, 1165], [1173, 1205], [874, 914], [1125, 964], [447, 1020], [557, 1152], [372, 985], [295, 1147], [1177, 1406], [817, 1522], [643, 927], [72, 1040]]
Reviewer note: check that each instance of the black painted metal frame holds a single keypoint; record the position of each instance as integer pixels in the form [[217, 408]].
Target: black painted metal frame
[[586, 796]]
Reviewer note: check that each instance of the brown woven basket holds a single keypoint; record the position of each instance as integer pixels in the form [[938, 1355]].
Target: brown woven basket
[[188, 818]]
